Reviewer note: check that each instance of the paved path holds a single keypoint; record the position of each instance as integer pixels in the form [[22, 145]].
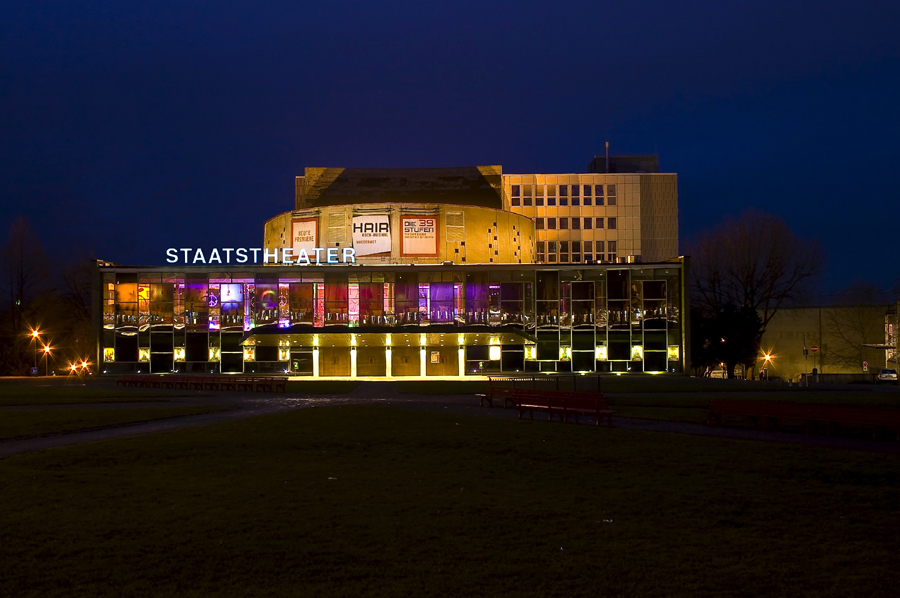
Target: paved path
[[251, 405]]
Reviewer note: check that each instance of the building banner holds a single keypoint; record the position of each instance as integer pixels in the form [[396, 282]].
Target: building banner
[[420, 235], [305, 235], [372, 234]]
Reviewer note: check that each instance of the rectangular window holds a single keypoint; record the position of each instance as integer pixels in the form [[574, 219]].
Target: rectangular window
[[576, 246], [587, 200], [576, 223], [587, 190], [600, 248], [563, 190], [516, 201], [611, 195], [540, 247], [576, 258], [598, 190], [551, 246], [526, 201], [564, 258], [515, 191], [589, 246], [588, 223], [598, 223], [527, 190], [575, 190], [551, 223], [599, 257], [611, 257], [611, 246], [539, 224], [563, 223], [539, 201], [575, 201], [551, 190], [551, 201], [563, 201], [564, 247], [611, 223]]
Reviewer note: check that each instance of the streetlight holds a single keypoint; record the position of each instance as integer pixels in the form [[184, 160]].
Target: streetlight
[[35, 337], [47, 360]]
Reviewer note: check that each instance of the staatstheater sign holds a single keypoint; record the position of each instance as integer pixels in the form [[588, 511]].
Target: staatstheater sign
[[191, 256]]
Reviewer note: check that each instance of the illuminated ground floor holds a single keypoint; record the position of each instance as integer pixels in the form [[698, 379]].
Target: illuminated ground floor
[[392, 321]]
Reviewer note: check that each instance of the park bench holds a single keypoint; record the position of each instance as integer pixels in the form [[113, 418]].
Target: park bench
[[499, 393], [769, 414], [564, 403]]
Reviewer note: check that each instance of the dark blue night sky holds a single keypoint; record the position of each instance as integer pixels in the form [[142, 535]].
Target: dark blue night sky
[[127, 128]]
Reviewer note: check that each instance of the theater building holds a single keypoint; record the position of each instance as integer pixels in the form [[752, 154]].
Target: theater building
[[418, 272]]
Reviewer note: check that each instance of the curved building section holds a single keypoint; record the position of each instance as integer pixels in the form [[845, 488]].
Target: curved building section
[[423, 233]]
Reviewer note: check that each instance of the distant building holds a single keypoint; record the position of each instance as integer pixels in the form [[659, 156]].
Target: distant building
[[831, 339]]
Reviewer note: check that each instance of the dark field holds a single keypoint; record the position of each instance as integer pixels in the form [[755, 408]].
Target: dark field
[[366, 500]]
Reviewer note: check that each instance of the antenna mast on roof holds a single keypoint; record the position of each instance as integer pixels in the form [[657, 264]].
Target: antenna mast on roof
[[607, 157]]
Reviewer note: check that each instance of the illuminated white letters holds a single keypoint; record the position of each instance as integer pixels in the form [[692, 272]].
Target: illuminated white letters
[[287, 256]]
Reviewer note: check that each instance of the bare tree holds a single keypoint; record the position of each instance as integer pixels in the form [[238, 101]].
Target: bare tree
[[754, 260], [26, 270], [848, 329]]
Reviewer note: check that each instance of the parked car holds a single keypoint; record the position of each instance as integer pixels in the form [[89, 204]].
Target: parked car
[[887, 375]]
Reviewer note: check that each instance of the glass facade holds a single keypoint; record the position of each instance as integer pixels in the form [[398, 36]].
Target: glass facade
[[401, 320]]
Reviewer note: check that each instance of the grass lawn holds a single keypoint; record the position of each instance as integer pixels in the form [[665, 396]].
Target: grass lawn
[[364, 500], [37, 422], [11, 394], [692, 407]]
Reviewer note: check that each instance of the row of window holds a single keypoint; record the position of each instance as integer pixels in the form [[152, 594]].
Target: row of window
[[517, 199], [576, 246], [564, 190], [577, 258], [589, 223]]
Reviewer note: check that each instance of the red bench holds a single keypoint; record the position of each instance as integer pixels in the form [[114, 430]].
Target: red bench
[[768, 415], [564, 403]]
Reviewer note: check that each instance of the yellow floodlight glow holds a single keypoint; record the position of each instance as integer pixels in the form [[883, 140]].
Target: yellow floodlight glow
[[530, 352], [494, 353], [674, 352], [637, 353], [46, 348], [601, 353]]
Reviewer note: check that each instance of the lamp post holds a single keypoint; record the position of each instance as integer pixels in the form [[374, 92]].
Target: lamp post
[[35, 337], [47, 360]]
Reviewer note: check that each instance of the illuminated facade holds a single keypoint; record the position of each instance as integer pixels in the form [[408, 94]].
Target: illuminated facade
[[442, 276]]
